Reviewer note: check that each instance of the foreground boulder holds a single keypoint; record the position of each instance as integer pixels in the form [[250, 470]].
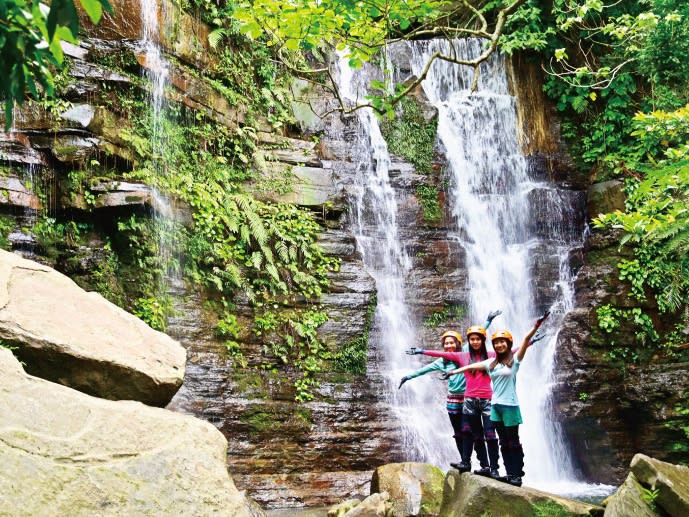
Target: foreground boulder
[[375, 505], [475, 496], [414, 488], [629, 500], [671, 483], [65, 453], [81, 340]]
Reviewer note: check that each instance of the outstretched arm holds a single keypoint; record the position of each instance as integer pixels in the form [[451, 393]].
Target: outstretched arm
[[472, 366], [529, 339], [434, 366], [450, 356]]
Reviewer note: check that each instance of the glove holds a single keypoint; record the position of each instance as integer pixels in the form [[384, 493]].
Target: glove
[[414, 351], [540, 320], [445, 375], [403, 380], [536, 337], [492, 315]]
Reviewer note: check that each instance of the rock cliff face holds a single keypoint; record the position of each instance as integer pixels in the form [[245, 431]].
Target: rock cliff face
[[614, 406]]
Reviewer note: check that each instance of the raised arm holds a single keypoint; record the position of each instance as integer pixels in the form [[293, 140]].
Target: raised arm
[[530, 339], [491, 316]]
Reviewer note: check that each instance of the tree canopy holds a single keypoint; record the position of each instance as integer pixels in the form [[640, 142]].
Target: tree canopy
[[363, 28], [30, 45]]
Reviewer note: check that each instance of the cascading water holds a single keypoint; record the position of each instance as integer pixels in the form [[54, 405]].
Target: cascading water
[[156, 70], [492, 199], [426, 431]]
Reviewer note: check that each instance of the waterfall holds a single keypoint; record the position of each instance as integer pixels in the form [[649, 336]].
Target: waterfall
[[426, 431], [497, 207], [156, 70]]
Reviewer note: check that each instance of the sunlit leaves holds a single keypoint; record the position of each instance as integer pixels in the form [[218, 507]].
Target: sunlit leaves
[[309, 24], [30, 36]]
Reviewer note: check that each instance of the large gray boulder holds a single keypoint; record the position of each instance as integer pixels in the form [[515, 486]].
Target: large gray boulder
[[414, 488], [64, 453], [670, 481], [475, 496], [629, 500], [81, 340]]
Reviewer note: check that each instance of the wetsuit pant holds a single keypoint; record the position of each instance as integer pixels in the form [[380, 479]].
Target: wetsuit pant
[[511, 449], [462, 434], [477, 413]]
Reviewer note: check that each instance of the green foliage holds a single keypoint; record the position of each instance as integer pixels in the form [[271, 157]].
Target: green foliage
[[153, 311], [138, 245], [528, 28], [428, 196], [611, 319], [410, 136], [7, 225], [548, 508], [608, 318], [30, 51], [105, 276], [258, 420], [449, 312], [291, 335], [353, 355], [583, 396], [655, 225], [649, 495], [54, 236]]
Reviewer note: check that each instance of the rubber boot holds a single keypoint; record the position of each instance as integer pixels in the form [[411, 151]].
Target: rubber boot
[[462, 466], [493, 454]]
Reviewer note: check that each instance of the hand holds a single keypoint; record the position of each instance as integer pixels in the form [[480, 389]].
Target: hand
[[414, 351], [446, 375], [404, 379], [540, 320], [536, 337], [492, 315]]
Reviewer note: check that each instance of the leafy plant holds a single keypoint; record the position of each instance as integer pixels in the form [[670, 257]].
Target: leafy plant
[[449, 312], [153, 311], [30, 50], [353, 356], [428, 196], [549, 508], [649, 495], [410, 136], [7, 224]]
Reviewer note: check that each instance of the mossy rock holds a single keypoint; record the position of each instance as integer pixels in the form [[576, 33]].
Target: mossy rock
[[414, 488]]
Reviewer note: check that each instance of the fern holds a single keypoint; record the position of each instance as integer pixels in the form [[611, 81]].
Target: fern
[[273, 272], [245, 233], [258, 230], [256, 260], [282, 250], [234, 274], [216, 36]]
